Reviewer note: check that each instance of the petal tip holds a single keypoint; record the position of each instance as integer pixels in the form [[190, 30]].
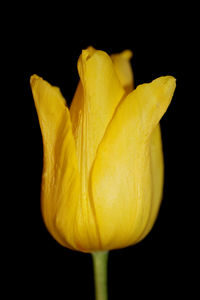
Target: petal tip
[[169, 83], [33, 79], [85, 54], [128, 54], [88, 53], [166, 83]]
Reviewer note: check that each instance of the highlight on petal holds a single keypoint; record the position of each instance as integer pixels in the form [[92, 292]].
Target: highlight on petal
[[123, 69], [121, 178]]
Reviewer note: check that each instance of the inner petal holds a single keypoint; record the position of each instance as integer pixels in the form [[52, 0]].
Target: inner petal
[[123, 69]]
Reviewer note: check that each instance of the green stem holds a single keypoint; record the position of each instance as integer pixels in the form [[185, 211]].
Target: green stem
[[100, 260]]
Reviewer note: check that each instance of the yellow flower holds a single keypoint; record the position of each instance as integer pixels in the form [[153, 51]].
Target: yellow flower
[[103, 164]]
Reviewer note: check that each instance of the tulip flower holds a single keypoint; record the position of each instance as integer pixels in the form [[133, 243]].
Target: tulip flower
[[103, 165]]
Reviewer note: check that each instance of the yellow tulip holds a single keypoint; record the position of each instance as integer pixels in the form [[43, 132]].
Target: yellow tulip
[[102, 175]]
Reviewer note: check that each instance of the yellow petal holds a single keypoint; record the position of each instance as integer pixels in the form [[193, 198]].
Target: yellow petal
[[94, 103], [60, 176], [68, 215], [157, 173], [121, 180], [123, 69]]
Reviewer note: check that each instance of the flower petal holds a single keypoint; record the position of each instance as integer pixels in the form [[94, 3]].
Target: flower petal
[[68, 214], [157, 174], [123, 69], [121, 180], [93, 106], [60, 179]]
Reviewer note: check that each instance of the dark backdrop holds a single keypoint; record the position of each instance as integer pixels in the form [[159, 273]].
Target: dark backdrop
[[49, 45]]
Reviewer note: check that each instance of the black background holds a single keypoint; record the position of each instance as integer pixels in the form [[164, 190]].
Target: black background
[[49, 44]]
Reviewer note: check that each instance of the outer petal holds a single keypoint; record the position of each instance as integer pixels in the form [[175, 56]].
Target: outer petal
[[59, 178], [68, 217], [121, 180], [123, 69], [157, 174], [93, 106]]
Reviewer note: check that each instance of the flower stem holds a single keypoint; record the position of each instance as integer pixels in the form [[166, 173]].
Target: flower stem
[[100, 260]]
